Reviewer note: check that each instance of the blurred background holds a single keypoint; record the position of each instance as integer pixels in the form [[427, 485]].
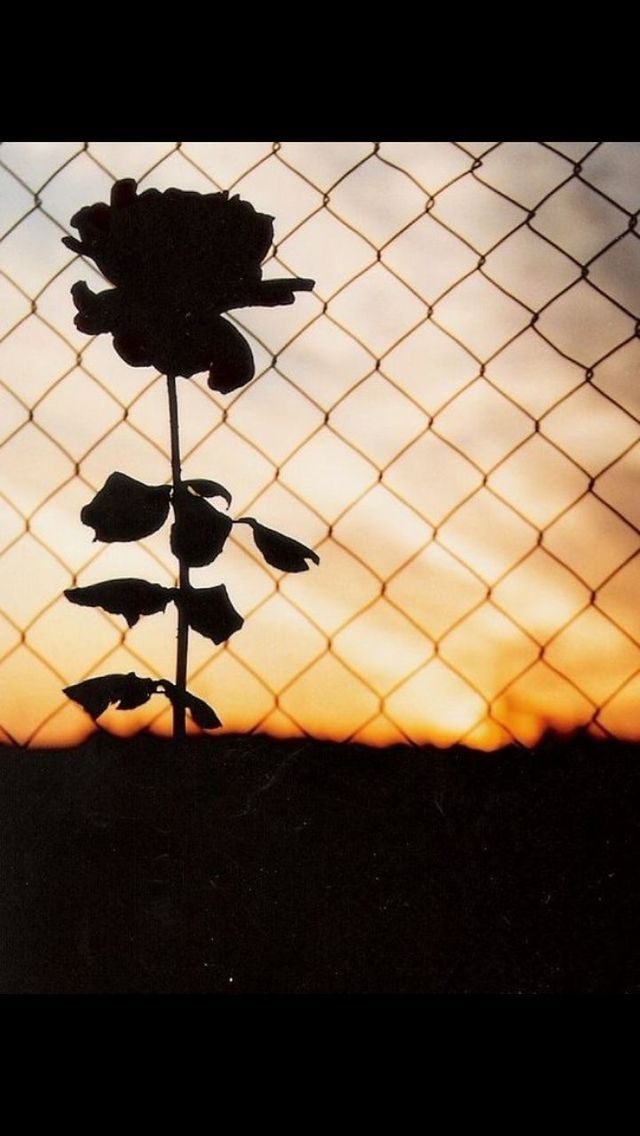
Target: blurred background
[[450, 419]]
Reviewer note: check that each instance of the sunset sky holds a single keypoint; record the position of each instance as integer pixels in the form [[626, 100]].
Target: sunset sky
[[450, 419]]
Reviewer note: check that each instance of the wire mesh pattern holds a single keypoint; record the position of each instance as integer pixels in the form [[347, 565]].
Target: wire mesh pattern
[[450, 419]]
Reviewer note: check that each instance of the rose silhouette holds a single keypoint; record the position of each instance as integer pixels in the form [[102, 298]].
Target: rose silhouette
[[178, 260]]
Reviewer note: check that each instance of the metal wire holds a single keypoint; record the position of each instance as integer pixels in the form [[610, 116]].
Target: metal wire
[[472, 169]]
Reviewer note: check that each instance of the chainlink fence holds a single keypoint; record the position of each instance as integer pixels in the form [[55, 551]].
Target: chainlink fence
[[450, 418]]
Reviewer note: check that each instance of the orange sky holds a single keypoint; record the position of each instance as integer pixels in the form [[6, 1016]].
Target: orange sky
[[451, 419]]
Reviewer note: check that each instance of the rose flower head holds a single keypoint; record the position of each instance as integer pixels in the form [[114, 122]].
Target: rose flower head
[[177, 260]]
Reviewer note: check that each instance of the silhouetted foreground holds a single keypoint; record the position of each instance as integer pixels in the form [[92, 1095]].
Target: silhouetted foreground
[[178, 260], [249, 865]]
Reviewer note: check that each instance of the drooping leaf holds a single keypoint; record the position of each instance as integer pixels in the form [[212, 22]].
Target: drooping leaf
[[209, 611], [126, 509], [206, 488], [202, 714], [199, 531], [128, 690], [128, 597], [280, 551], [136, 694]]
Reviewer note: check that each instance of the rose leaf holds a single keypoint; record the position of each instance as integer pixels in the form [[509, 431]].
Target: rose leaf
[[199, 531], [205, 488], [202, 714], [280, 551], [95, 694], [126, 509], [209, 611], [128, 597]]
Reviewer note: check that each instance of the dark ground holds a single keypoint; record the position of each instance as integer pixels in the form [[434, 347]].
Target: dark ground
[[247, 865]]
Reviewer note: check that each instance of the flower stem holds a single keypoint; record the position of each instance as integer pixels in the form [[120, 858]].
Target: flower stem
[[179, 707]]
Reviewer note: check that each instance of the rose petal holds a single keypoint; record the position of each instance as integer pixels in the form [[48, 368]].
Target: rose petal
[[133, 350], [123, 193], [232, 364], [97, 311], [74, 245]]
